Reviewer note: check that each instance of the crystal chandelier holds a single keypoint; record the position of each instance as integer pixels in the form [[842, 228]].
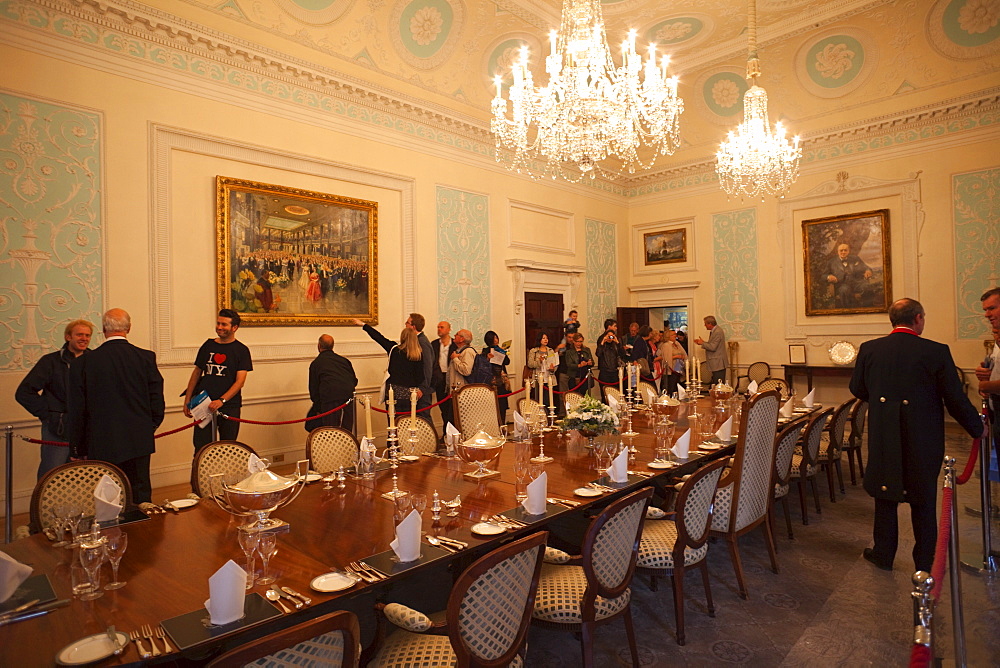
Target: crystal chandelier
[[590, 109], [753, 161]]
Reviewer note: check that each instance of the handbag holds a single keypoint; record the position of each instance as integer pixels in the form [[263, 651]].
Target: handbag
[[504, 382]]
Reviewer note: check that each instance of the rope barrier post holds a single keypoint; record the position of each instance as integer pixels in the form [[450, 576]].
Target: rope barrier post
[[984, 563], [8, 499], [215, 427], [954, 571], [922, 612]]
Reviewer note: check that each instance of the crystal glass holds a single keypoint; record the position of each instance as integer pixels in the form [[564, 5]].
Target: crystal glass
[[79, 579], [402, 502], [249, 539], [116, 541], [267, 546], [418, 502], [91, 557]]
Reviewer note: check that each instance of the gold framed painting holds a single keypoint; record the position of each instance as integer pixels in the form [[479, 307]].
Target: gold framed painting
[[665, 246], [288, 256], [847, 264]]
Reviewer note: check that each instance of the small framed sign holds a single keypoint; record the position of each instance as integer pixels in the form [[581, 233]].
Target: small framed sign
[[796, 353]]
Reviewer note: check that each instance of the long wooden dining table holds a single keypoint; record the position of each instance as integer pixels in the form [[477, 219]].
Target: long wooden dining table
[[170, 557]]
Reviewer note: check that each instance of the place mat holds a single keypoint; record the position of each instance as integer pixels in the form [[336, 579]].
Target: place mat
[[521, 515], [387, 563], [35, 587], [606, 481], [189, 629], [130, 515], [381, 465], [715, 440]]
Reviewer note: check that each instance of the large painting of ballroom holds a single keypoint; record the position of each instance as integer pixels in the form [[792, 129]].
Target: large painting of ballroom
[[288, 256]]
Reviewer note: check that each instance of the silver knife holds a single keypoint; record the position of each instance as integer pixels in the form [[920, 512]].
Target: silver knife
[[292, 592], [20, 608], [296, 602], [113, 637], [33, 612]]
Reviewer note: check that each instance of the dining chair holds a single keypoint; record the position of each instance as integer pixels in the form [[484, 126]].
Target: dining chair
[[476, 407], [72, 483], [853, 445], [427, 437], [774, 384], [832, 444], [576, 597], [329, 448], [745, 490], [527, 406], [486, 623], [805, 462], [225, 457], [610, 391], [669, 546], [572, 399], [643, 387], [787, 438], [328, 641]]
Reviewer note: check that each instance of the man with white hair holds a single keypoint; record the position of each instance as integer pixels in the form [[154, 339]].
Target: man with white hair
[[115, 403], [462, 360]]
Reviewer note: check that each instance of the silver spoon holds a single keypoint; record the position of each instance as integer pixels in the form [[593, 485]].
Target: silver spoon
[[436, 543], [275, 596]]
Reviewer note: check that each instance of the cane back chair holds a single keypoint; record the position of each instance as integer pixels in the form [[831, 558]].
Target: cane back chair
[[787, 438], [572, 400], [72, 483], [324, 642], [527, 406], [329, 448], [644, 388], [476, 407], [669, 546], [805, 462], [489, 610], [745, 490], [853, 445], [610, 391], [831, 446], [226, 457], [427, 437], [774, 384]]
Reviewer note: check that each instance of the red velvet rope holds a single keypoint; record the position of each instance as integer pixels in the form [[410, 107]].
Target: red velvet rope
[[65, 444], [579, 385], [920, 656], [174, 431], [305, 419], [419, 410], [944, 535], [971, 464]]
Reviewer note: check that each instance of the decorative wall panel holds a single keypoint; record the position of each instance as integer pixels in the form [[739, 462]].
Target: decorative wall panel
[[464, 260], [976, 198], [602, 275], [51, 252], [737, 299]]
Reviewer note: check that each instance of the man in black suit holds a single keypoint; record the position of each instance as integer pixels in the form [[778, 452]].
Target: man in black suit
[[115, 403], [416, 322], [906, 380], [331, 383], [442, 347]]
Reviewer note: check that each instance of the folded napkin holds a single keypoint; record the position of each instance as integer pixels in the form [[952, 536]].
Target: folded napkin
[[227, 594], [650, 397], [810, 398], [681, 393], [613, 403], [618, 471], [537, 491], [106, 496], [786, 410], [255, 464], [725, 431], [752, 387], [12, 574], [520, 427], [451, 435], [682, 445], [406, 545]]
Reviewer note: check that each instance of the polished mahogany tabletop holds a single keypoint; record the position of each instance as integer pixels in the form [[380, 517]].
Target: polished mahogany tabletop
[[171, 556]]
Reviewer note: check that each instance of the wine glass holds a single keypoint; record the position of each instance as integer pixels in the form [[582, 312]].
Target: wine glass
[[116, 541], [267, 546], [402, 502], [249, 539], [418, 502], [91, 557]]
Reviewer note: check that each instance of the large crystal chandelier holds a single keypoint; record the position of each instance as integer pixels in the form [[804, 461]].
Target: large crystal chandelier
[[590, 109], [753, 161]]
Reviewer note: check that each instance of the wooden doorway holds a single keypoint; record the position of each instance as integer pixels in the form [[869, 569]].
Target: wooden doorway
[[543, 313], [626, 316]]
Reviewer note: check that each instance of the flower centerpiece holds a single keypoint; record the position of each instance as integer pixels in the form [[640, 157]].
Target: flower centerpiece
[[591, 418]]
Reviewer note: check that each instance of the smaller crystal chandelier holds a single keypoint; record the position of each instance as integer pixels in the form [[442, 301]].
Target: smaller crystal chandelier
[[589, 110], [753, 161]]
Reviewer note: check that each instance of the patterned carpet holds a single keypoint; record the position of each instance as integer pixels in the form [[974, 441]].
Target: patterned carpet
[[828, 606]]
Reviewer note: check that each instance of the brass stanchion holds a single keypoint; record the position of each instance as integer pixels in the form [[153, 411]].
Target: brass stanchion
[[954, 572], [8, 501], [986, 562]]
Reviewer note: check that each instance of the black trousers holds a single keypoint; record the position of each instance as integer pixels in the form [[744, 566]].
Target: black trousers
[[137, 472], [923, 515], [447, 411], [228, 429], [718, 375]]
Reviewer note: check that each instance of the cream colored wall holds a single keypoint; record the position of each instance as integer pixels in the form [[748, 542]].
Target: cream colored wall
[[276, 389]]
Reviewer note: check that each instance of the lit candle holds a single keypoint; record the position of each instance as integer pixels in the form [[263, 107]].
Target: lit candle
[[621, 376], [552, 402], [413, 403], [368, 416], [391, 405]]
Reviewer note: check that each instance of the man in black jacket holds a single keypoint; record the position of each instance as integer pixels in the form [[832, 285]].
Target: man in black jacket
[[331, 383], [114, 401], [416, 322], [43, 392], [907, 381], [442, 347]]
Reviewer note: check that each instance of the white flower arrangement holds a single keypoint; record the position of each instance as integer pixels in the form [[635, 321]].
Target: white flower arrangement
[[591, 416]]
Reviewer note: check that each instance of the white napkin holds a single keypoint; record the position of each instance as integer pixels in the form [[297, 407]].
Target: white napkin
[[613, 403], [809, 398], [650, 397], [106, 495], [725, 431], [682, 445], [537, 491], [787, 408], [255, 465], [406, 545], [752, 387], [452, 433], [227, 594], [12, 574], [681, 393], [618, 472], [520, 426]]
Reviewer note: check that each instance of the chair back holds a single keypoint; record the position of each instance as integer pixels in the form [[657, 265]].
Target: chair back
[[572, 399], [786, 439], [759, 371], [837, 424], [611, 547], [694, 507], [812, 437], [477, 407], [610, 391], [73, 483], [427, 437], [774, 384], [527, 406], [858, 415], [754, 462], [644, 389], [331, 640], [328, 448], [490, 605], [225, 457]]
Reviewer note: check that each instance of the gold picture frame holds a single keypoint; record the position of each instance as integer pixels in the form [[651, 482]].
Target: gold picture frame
[[290, 257], [847, 264], [665, 246]]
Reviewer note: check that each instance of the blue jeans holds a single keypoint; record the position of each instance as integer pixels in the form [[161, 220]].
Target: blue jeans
[[52, 455]]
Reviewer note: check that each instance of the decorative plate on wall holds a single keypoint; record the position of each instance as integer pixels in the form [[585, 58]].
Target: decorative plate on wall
[[843, 353]]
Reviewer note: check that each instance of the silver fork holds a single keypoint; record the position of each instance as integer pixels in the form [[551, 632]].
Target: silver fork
[[162, 635], [372, 569], [137, 638], [147, 632]]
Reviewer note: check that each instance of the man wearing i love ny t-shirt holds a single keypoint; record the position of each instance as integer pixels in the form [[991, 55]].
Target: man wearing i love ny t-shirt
[[220, 370]]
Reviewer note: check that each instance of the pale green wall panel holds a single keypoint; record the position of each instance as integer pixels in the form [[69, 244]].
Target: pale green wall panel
[[464, 260], [737, 295], [602, 275], [976, 202]]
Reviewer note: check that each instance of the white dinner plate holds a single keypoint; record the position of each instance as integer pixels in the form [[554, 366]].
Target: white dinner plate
[[90, 649], [332, 582], [661, 465], [487, 529], [313, 477], [182, 503], [587, 491]]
